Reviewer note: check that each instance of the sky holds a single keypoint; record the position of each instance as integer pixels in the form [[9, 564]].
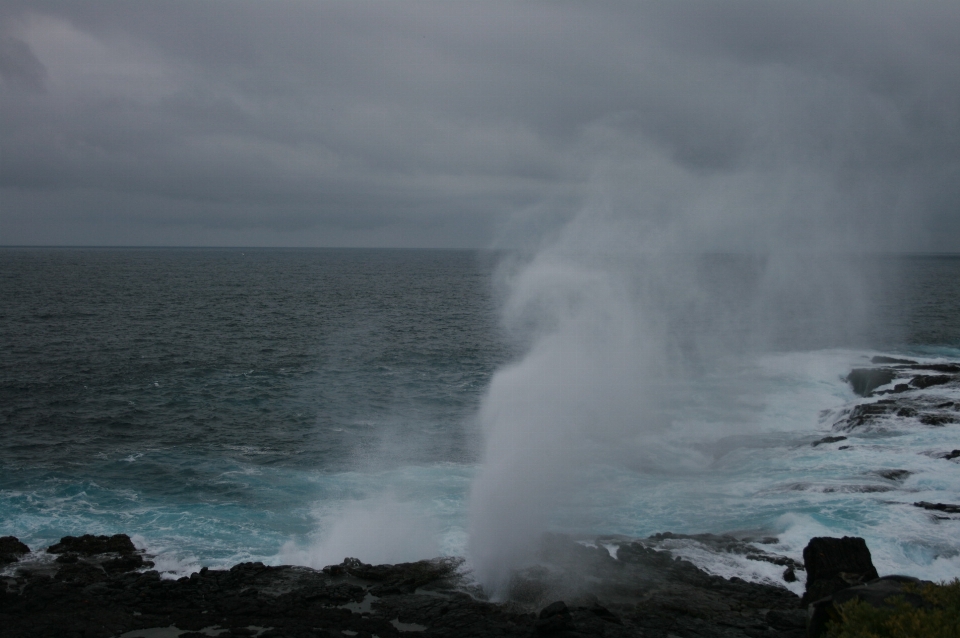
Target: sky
[[737, 124]]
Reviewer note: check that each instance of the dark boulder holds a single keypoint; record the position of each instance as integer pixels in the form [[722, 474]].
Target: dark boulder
[[894, 475], [891, 360], [126, 563], [90, 545], [554, 620], [938, 419], [11, 549], [949, 368], [928, 380], [951, 455], [865, 380], [867, 413], [828, 439], [835, 563], [939, 507], [402, 578]]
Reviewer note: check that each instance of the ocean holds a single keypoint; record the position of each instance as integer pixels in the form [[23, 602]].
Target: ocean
[[301, 406]]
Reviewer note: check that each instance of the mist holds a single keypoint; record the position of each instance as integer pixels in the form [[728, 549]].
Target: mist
[[624, 307]]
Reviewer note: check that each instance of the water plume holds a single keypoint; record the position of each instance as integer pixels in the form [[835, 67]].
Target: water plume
[[619, 310]]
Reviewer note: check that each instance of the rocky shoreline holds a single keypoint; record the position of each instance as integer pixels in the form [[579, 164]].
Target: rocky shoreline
[[100, 587], [103, 587]]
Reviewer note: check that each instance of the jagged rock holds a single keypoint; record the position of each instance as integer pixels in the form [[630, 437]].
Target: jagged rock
[[949, 368], [644, 592], [11, 549], [90, 545], [865, 380], [877, 593], [939, 507], [926, 381], [868, 412], [894, 475], [126, 563], [835, 563], [897, 389], [554, 620], [951, 455], [403, 578], [828, 439], [888, 360]]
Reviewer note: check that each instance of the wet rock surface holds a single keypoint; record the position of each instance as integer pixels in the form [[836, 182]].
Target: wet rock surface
[[909, 400], [575, 590], [11, 549], [865, 380], [834, 564], [949, 508]]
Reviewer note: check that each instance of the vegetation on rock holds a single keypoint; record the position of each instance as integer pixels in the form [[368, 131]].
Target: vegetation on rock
[[939, 618]]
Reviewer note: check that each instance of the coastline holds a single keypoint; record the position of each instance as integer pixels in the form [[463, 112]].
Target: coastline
[[575, 591]]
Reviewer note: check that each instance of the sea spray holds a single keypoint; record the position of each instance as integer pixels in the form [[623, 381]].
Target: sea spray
[[622, 310], [379, 530], [577, 392]]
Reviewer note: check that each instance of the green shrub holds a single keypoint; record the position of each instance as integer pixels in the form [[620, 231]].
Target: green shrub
[[902, 620]]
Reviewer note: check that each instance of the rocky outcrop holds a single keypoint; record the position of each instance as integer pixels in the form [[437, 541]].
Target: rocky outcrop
[[90, 545], [11, 549], [882, 359], [834, 564], [575, 590], [865, 380], [939, 507], [905, 375], [828, 439]]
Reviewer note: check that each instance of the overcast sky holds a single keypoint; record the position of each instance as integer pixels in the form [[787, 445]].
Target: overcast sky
[[479, 123]]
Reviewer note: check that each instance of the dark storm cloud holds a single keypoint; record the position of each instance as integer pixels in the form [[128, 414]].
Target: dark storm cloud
[[444, 123]]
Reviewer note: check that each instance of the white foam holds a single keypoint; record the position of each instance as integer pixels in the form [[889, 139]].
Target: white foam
[[377, 530]]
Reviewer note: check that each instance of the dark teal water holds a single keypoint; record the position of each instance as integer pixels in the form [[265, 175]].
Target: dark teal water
[[140, 388], [218, 404]]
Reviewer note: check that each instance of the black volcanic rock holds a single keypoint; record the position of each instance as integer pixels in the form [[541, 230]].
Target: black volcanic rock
[[644, 592], [834, 564], [938, 419], [894, 475], [866, 413], [950, 368], [90, 545], [939, 507], [925, 381], [11, 549], [889, 360], [828, 439], [865, 380]]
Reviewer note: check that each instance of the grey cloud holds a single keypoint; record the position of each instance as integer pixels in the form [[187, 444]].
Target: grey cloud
[[457, 121], [19, 67]]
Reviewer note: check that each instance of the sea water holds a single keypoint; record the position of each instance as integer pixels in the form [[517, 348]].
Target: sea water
[[301, 406]]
